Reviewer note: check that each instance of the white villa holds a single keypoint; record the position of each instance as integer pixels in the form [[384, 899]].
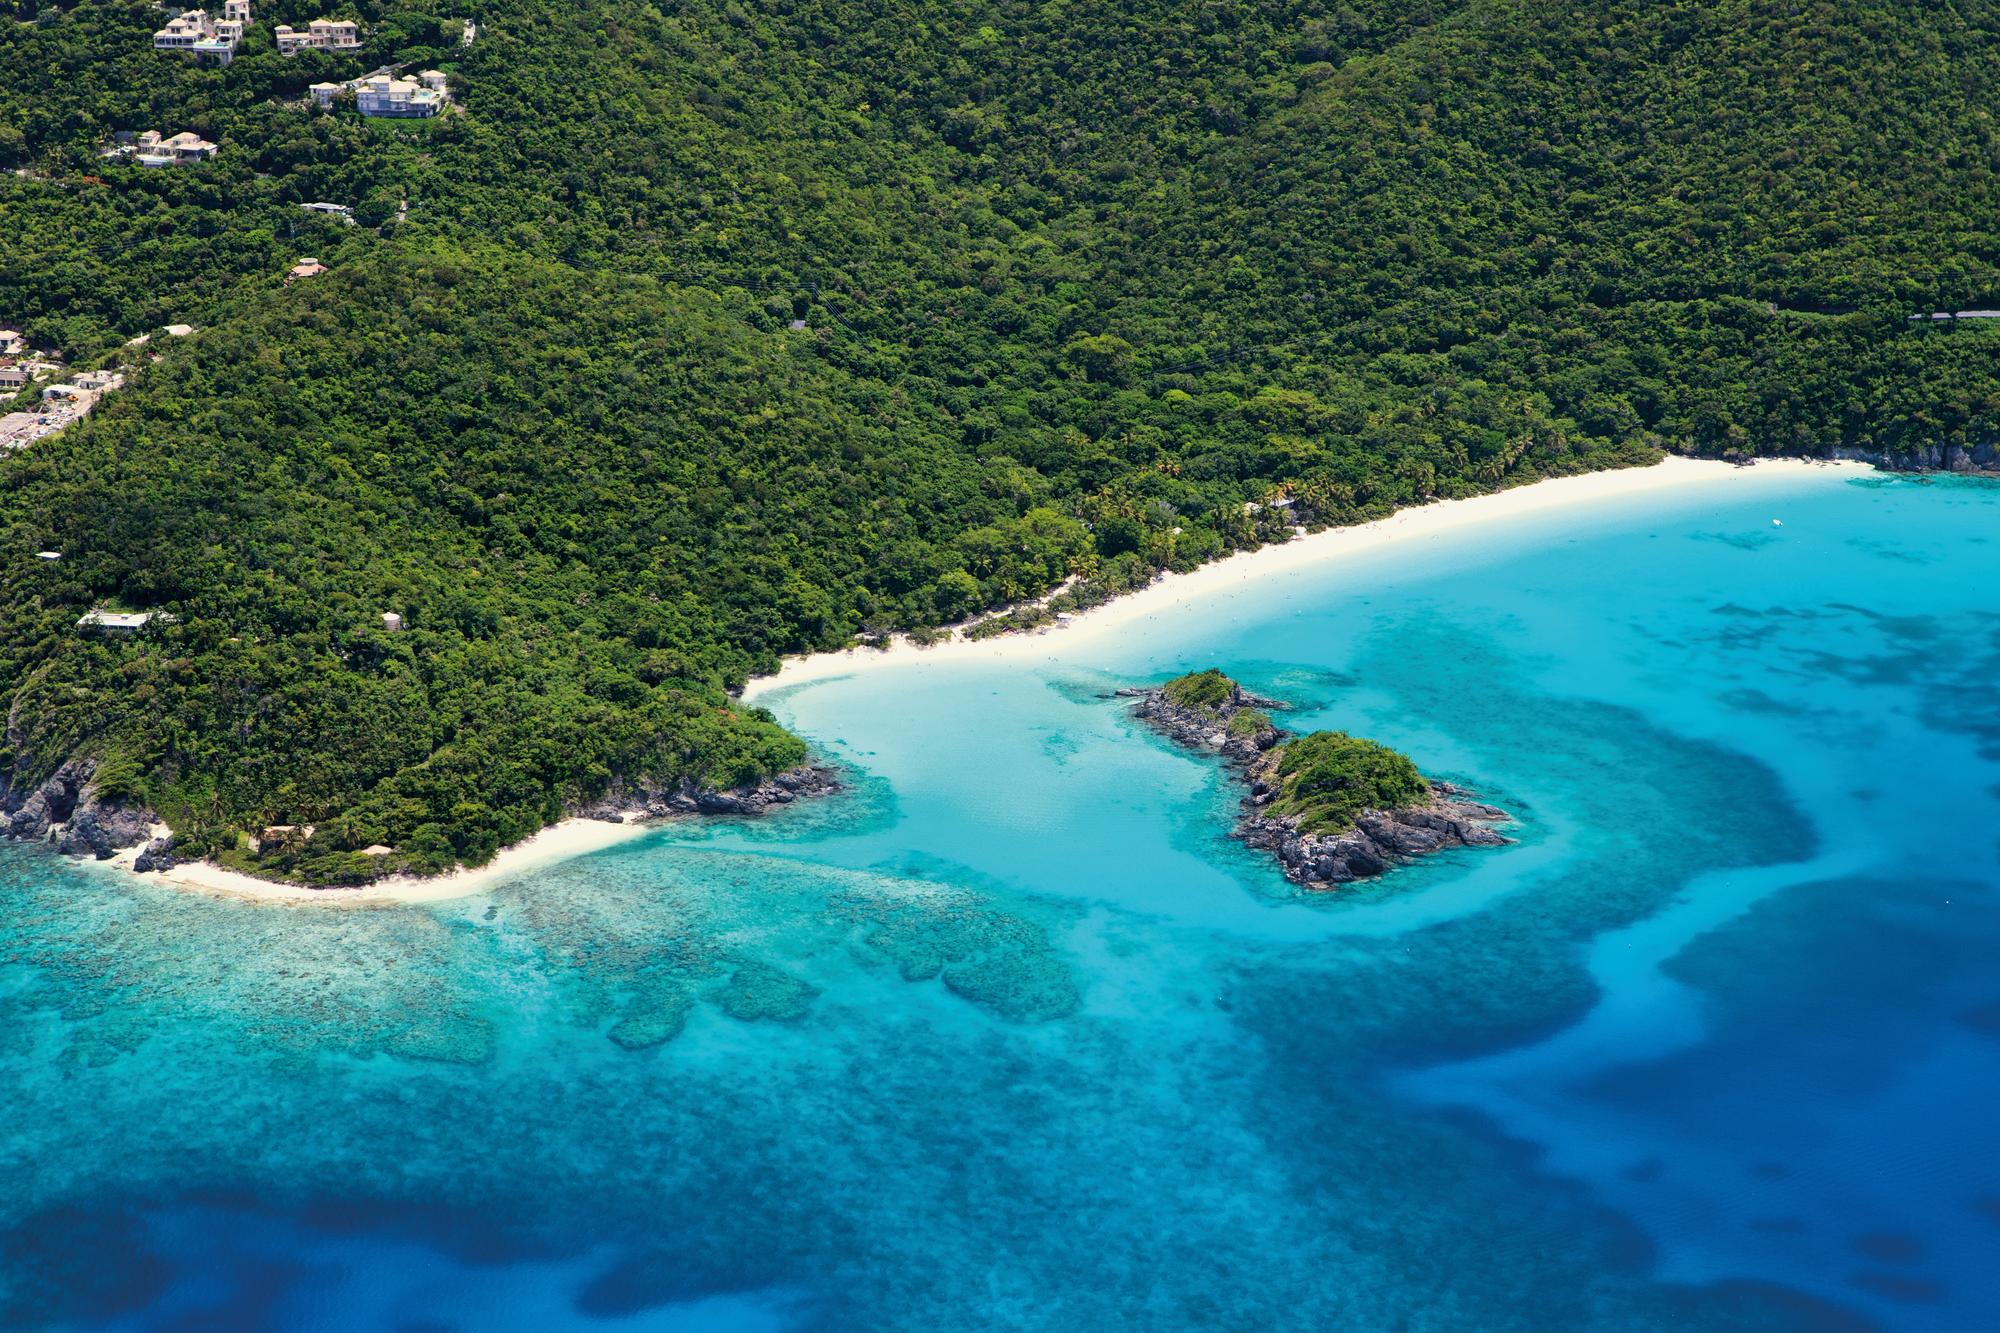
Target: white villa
[[12, 343], [320, 35], [116, 622], [384, 95], [179, 150], [195, 32]]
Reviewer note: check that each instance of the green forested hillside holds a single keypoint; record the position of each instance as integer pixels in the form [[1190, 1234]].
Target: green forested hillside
[[1081, 283]]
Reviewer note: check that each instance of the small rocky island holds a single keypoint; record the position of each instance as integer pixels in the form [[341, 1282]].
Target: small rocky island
[[1332, 808]]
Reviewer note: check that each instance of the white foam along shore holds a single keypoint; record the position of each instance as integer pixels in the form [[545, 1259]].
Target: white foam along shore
[[1554, 503]]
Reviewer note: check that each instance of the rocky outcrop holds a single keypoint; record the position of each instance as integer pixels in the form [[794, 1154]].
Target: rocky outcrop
[[50, 804], [686, 798], [1238, 730], [1379, 840], [1981, 457], [156, 855], [102, 829], [68, 812]]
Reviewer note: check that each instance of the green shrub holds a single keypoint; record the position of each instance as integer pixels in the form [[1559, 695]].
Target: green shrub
[[1199, 689], [1328, 778], [1249, 722]]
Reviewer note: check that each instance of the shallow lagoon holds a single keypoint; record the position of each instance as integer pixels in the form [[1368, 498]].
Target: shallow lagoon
[[1010, 1036]]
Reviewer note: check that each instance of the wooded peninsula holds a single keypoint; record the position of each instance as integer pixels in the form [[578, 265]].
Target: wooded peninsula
[[504, 440]]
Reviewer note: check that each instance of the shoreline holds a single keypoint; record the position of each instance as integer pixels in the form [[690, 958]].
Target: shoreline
[[572, 837], [1171, 591]]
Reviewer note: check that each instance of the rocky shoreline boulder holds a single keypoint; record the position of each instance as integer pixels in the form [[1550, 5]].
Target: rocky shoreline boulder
[[1206, 710], [1333, 810], [156, 855], [103, 829], [1379, 841], [686, 798], [66, 810], [49, 804]]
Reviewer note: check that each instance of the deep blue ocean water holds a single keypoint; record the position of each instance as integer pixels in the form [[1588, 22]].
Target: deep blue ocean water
[[1010, 1035]]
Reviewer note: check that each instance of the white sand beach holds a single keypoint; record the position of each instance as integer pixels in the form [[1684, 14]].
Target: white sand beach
[[1565, 499], [1561, 500], [558, 842]]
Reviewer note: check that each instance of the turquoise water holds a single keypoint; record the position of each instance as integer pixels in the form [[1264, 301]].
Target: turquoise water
[[1010, 1036]]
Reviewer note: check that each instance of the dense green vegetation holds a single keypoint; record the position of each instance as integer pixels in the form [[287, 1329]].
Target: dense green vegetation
[[1200, 689], [1084, 290], [1326, 778], [1250, 722]]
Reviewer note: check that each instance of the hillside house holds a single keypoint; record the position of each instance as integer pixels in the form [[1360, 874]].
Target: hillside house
[[176, 151], [319, 35], [115, 622], [195, 33], [25, 371], [152, 150], [184, 30], [65, 403], [385, 96], [305, 268], [12, 343]]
